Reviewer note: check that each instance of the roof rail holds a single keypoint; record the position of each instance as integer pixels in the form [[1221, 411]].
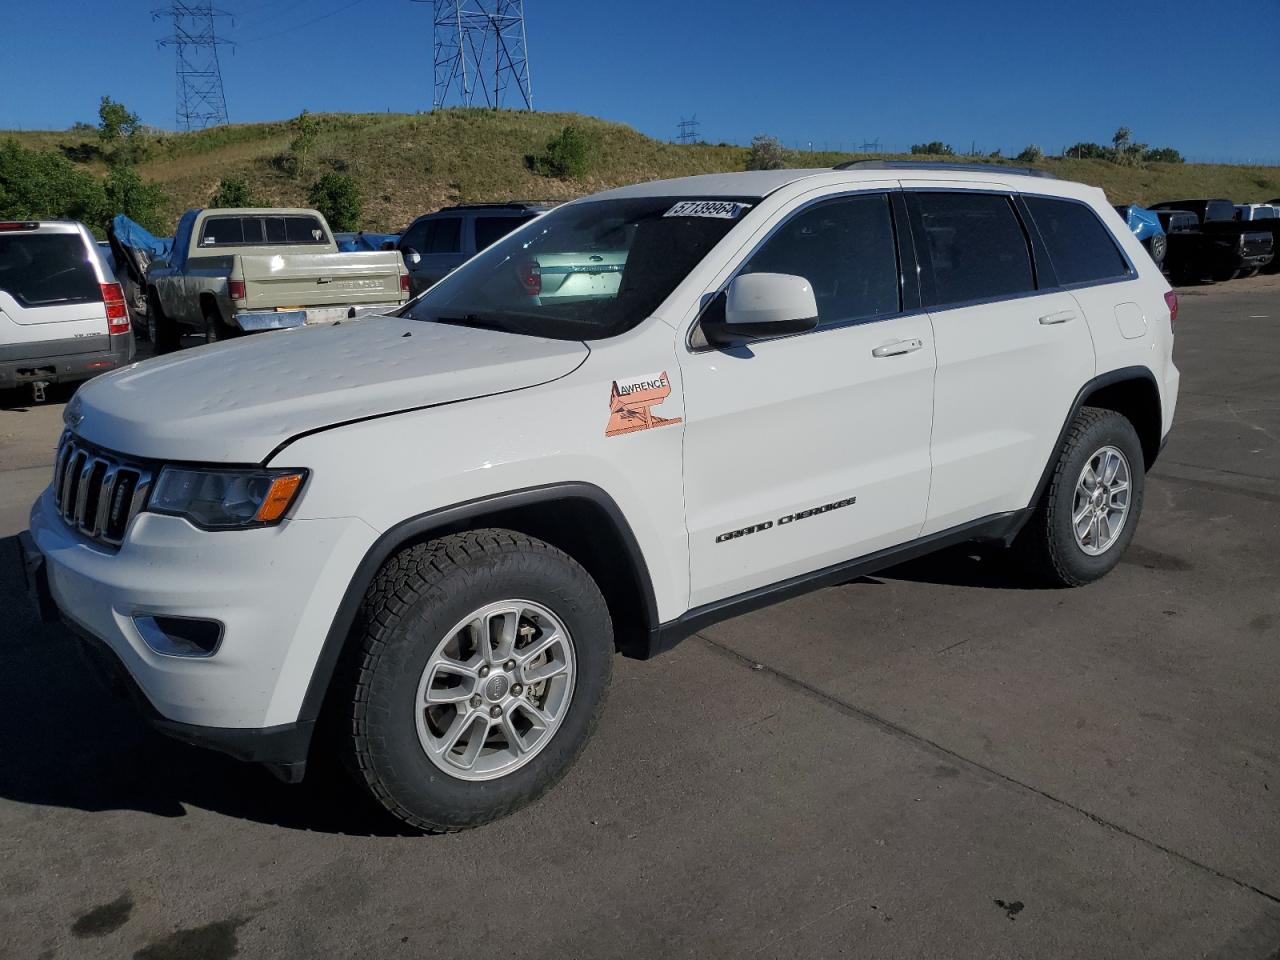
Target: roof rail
[[943, 165], [516, 204]]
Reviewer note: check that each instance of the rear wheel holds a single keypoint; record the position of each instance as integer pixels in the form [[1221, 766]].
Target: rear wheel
[[215, 328], [1089, 513], [478, 679]]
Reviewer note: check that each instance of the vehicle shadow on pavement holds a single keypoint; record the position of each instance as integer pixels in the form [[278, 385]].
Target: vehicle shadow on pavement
[[67, 741], [21, 399], [967, 565]]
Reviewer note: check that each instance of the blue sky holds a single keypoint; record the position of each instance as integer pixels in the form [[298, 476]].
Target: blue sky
[[994, 73]]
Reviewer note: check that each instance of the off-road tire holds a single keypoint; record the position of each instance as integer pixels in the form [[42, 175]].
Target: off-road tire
[[414, 600], [1046, 548]]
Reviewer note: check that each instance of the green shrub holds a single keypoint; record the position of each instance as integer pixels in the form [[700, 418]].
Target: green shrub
[[127, 193], [35, 185], [1162, 155], [765, 154], [1030, 154], [336, 196], [568, 155], [934, 148], [306, 131], [232, 192]]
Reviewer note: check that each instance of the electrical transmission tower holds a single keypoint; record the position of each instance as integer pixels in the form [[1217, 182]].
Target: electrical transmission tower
[[201, 101], [688, 130], [480, 53]]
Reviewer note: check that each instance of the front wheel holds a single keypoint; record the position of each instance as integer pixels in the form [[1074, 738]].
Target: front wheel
[[479, 677], [1089, 513]]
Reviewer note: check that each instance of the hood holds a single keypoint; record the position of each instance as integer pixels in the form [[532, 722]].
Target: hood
[[235, 402]]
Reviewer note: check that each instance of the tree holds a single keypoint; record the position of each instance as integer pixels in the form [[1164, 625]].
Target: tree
[[1162, 155], [125, 192], [35, 185], [765, 153], [568, 155], [119, 132], [306, 131], [934, 148], [1031, 154], [336, 196], [232, 192]]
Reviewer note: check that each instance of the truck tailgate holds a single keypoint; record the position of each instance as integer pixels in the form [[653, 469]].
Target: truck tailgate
[[319, 279]]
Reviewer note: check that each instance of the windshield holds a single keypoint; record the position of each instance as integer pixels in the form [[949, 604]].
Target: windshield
[[584, 271]]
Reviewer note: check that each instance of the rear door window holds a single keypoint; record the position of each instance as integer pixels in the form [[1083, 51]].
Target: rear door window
[[1080, 246], [845, 249], [47, 269], [975, 245], [492, 229], [444, 236]]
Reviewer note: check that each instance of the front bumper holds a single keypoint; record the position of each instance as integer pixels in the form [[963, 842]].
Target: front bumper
[[275, 590]]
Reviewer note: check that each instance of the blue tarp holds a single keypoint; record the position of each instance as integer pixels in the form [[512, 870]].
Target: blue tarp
[[356, 242], [136, 238], [1143, 222]]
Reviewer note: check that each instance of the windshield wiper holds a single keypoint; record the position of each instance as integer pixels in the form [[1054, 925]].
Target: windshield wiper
[[474, 320]]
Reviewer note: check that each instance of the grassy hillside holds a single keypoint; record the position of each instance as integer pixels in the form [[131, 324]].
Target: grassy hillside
[[408, 164]]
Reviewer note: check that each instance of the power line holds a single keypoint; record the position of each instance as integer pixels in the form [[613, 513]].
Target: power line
[[480, 52], [305, 23]]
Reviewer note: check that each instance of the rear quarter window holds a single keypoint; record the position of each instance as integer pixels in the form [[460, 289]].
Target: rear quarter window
[[491, 229], [47, 269], [1081, 247]]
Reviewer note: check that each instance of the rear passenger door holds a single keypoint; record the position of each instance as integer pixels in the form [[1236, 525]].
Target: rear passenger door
[[1013, 349]]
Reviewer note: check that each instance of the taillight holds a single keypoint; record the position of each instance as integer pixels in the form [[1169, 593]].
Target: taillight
[[117, 312], [235, 289], [530, 275], [404, 283], [9, 226], [1171, 299]]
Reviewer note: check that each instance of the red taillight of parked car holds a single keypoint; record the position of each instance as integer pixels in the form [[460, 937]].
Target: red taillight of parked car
[[404, 283], [10, 226], [1171, 299], [117, 312], [235, 289], [530, 275]]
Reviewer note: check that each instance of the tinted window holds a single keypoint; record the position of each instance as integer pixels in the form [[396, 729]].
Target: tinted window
[[1264, 213], [845, 249], [443, 236], [415, 237], [975, 245], [304, 230], [1080, 247], [45, 269], [222, 232], [258, 230], [491, 229]]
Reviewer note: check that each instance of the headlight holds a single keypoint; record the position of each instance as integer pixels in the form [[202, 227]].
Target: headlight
[[226, 499]]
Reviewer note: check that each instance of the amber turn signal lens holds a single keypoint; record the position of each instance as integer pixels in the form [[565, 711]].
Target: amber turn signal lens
[[283, 489]]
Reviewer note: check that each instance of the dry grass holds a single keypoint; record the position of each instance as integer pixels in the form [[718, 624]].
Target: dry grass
[[407, 164]]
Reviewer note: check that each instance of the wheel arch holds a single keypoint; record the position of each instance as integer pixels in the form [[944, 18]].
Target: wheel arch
[[1129, 391], [579, 518]]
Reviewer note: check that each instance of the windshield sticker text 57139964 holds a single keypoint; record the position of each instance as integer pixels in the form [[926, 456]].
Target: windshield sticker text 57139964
[[716, 209]]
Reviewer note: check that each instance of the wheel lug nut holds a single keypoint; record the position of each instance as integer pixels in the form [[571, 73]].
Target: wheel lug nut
[[476, 701], [484, 671], [509, 665], [517, 690], [495, 712]]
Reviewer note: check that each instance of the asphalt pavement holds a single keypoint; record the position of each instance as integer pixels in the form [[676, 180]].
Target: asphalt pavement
[[929, 763]]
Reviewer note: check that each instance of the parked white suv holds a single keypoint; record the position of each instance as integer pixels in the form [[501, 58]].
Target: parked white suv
[[62, 315], [436, 528]]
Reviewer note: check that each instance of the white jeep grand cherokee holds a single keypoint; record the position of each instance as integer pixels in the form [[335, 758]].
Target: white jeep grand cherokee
[[436, 528]]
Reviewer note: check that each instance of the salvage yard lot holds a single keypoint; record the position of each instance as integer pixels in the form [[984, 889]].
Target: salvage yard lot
[[927, 763]]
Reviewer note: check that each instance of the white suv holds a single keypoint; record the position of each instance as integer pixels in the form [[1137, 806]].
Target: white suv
[[436, 528]]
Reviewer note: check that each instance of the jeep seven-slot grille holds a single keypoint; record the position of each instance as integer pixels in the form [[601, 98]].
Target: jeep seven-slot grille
[[97, 493]]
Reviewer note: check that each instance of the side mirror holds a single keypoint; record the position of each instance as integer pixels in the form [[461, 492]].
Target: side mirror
[[412, 257], [760, 306]]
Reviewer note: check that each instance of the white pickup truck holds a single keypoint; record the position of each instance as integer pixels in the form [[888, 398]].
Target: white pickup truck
[[243, 270]]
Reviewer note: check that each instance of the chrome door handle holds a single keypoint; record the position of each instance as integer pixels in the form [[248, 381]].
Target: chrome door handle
[[898, 348], [1062, 316]]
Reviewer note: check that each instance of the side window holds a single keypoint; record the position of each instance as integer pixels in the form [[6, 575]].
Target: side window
[[845, 249], [492, 229], [222, 232], [304, 230], [445, 236], [1080, 246], [975, 244], [415, 236]]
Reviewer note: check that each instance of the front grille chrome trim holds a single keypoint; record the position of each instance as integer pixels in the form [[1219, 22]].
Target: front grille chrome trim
[[85, 482]]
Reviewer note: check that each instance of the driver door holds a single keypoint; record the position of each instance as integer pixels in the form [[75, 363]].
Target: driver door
[[813, 449]]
